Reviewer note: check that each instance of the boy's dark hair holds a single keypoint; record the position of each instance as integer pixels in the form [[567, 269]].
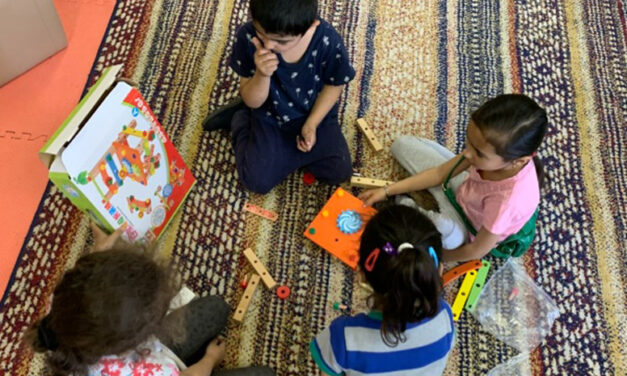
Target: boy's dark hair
[[108, 303], [284, 17], [407, 286], [515, 125]]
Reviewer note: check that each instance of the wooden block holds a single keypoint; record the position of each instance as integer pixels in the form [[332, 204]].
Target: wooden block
[[259, 268], [244, 302], [376, 145], [462, 294], [360, 181], [460, 270], [267, 214], [482, 273]]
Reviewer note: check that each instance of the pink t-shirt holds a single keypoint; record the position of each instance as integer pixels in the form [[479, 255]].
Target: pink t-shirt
[[501, 207]]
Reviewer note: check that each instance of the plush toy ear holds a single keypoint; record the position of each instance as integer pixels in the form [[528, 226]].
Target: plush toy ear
[[372, 259]]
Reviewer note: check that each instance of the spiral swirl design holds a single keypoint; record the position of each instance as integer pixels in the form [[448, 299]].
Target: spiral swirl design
[[349, 222]]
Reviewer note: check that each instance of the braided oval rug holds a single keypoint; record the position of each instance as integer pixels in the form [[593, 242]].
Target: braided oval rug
[[422, 66]]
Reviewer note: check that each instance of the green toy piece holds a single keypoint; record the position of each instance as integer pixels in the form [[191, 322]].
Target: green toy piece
[[82, 178], [477, 286]]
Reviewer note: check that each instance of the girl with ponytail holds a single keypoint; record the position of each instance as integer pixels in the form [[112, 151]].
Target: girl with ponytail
[[410, 328]]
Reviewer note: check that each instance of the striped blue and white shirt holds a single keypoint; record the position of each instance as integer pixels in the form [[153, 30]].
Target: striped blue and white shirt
[[353, 345]]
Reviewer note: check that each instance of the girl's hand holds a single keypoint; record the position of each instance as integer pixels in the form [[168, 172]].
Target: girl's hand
[[265, 60], [307, 138], [371, 196], [102, 240], [216, 350]]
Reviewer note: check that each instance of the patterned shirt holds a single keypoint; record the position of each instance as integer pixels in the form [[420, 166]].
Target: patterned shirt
[[353, 345], [150, 359], [294, 87]]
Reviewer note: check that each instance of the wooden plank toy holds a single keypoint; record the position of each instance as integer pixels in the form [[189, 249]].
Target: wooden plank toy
[[460, 270], [261, 211], [363, 126], [259, 268], [244, 302], [482, 273], [360, 181], [462, 294], [325, 232]]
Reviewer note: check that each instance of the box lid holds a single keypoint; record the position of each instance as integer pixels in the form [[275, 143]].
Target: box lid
[[79, 114]]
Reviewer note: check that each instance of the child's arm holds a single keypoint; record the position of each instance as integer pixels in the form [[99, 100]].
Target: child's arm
[[422, 180], [483, 243], [213, 356], [102, 240], [254, 90], [327, 98]]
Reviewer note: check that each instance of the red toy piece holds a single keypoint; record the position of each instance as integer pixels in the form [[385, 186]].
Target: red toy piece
[[308, 178], [244, 282], [283, 292]]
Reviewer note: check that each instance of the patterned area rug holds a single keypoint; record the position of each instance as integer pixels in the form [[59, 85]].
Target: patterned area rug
[[422, 66]]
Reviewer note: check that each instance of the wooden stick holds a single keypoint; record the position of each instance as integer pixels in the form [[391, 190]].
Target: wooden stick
[[362, 182], [363, 126], [265, 213], [244, 302], [259, 268]]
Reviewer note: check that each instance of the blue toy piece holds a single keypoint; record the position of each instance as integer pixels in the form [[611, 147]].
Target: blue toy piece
[[167, 190]]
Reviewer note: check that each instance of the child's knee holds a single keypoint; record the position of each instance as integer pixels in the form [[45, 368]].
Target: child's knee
[[219, 308], [255, 180], [400, 145]]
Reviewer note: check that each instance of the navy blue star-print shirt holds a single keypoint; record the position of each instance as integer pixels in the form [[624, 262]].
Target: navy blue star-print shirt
[[294, 87]]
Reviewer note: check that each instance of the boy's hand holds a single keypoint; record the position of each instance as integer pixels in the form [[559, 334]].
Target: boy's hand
[[216, 350], [102, 240], [307, 138], [371, 196], [265, 60]]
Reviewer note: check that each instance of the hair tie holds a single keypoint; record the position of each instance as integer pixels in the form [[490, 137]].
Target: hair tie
[[433, 255], [46, 336], [405, 246]]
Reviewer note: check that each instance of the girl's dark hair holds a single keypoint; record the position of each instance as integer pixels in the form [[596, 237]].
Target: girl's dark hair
[[515, 125], [108, 303], [284, 17], [407, 286]]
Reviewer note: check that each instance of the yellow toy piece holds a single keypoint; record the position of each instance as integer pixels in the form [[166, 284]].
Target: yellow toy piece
[[462, 294]]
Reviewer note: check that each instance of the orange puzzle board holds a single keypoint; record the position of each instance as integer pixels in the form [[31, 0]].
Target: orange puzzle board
[[324, 232]]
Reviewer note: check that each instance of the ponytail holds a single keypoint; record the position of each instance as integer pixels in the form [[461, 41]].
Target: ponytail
[[539, 170], [414, 288], [399, 254]]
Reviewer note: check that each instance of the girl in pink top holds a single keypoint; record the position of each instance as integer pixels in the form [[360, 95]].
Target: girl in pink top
[[497, 184]]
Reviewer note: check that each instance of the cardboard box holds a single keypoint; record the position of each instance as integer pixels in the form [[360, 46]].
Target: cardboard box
[[30, 32], [112, 159]]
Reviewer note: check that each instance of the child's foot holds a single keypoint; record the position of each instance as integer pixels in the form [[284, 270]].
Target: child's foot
[[221, 118]]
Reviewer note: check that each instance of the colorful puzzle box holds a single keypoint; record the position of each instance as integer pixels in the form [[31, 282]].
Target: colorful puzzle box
[[112, 159]]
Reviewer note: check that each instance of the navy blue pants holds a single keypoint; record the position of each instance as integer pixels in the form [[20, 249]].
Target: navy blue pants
[[265, 155]]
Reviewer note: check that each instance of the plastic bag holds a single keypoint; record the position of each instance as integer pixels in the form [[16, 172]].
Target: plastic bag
[[514, 309], [518, 365]]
